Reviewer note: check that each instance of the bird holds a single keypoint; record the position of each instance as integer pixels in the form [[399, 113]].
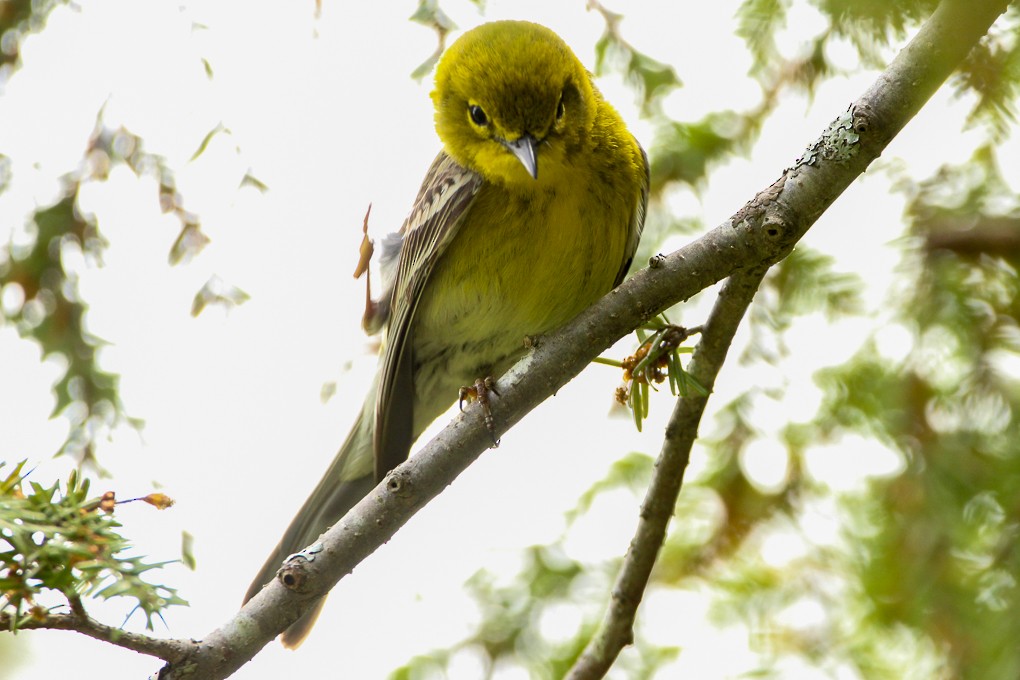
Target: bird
[[530, 212]]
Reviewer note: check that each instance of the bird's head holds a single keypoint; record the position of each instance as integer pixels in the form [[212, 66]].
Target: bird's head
[[512, 101]]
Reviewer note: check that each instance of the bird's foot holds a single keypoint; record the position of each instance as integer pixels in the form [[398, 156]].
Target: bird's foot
[[480, 392]]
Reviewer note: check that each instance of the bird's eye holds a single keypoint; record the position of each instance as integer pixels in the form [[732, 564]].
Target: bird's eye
[[478, 116], [559, 109]]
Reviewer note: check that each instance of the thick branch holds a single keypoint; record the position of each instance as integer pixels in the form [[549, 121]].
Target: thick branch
[[760, 234]]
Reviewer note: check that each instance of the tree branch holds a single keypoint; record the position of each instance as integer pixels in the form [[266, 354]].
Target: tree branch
[[991, 235], [757, 236], [616, 631], [172, 651]]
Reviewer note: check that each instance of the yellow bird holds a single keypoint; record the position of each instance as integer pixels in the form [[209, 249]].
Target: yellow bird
[[531, 212]]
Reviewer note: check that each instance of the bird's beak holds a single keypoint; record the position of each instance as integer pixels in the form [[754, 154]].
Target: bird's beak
[[524, 148]]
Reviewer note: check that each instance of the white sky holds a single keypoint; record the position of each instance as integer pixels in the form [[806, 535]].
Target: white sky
[[324, 113]]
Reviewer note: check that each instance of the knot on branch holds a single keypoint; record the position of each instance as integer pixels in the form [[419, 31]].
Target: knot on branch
[[294, 572], [781, 231], [773, 227], [293, 576], [398, 484], [861, 119], [764, 219]]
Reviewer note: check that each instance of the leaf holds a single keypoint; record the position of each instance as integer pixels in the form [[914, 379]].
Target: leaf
[[429, 13], [250, 180], [188, 550], [204, 144], [189, 243], [61, 540], [216, 291], [655, 78], [632, 471], [758, 21], [425, 68]]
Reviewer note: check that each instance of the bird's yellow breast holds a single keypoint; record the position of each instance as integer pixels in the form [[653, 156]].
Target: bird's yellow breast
[[522, 263]]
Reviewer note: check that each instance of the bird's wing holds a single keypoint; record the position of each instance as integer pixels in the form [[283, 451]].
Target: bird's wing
[[445, 194], [637, 222]]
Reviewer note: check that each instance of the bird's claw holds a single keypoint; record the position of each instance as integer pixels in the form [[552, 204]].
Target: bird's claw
[[479, 392]]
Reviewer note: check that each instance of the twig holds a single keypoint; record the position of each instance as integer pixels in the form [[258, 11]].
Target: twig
[[616, 631], [171, 650]]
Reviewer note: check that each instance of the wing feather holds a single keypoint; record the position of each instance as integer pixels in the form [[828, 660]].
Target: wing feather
[[637, 222], [444, 197]]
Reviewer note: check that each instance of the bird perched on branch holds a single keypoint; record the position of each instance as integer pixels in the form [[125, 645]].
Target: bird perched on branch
[[531, 212]]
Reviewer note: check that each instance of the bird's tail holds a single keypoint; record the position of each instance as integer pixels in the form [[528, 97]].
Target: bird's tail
[[348, 480]]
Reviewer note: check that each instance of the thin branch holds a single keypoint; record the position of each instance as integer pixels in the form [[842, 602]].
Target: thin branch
[[991, 235], [169, 650], [616, 631]]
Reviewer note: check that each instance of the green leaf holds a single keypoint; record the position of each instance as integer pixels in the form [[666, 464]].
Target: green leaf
[[59, 539], [204, 144]]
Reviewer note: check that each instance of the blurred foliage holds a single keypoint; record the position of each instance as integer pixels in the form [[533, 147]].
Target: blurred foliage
[[47, 306], [918, 577], [217, 292], [953, 516], [57, 539], [650, 78], [430, 14], [19, 18], [992, 72], [41, 294], [803, 283], [51, 312], [536, 623]]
